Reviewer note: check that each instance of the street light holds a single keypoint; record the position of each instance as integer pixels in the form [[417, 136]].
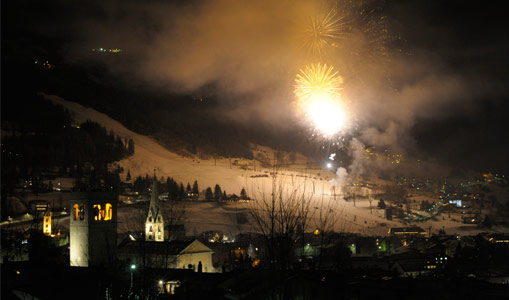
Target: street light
[[132, 268]]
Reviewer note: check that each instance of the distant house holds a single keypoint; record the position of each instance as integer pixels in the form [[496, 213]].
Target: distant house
[[406, 234], [170, 255], [412, 263], [407, 231], [498, 238]]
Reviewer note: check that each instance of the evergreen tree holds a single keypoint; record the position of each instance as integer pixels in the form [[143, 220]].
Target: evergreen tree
[[208, 194], [224, 197], [196, 191], [217, 192], [128, 177], [182, 192], [172, 188], [138, 184], [130, 147], [188, 188], [243, 194]]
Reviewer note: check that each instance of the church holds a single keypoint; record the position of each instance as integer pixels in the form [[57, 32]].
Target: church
[[93, 237], [154, 225], [154, 252]]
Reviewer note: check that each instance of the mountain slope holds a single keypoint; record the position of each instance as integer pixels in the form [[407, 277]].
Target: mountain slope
[[352, 217]]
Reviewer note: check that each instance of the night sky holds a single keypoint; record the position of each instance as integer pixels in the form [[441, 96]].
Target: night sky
[[429, 81]]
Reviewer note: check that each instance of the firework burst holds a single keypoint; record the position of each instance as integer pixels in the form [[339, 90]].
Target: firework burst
[[318, 90], [324, 31]]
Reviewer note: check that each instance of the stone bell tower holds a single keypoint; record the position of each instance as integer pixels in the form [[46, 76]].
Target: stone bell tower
[[93, 228]]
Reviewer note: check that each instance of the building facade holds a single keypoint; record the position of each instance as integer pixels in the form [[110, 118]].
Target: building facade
[[154, 225], [46, 222]]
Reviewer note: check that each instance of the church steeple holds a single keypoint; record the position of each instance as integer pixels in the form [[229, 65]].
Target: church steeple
[[154, 226], [154, 197]]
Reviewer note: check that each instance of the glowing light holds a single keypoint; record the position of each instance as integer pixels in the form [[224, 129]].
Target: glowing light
[[318, 95]]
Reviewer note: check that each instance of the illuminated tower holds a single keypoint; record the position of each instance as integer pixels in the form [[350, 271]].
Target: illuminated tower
[[46, 223], [93, 228], [154, 226]]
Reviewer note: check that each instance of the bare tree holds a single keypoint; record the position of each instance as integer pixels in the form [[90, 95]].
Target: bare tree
[[370, 199], [174, 213], [135, 226], [280, 217], [325, 221]]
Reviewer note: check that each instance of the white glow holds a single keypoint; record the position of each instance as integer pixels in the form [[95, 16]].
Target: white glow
[[327, 114]]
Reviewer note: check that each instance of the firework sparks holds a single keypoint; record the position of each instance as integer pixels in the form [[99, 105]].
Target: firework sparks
[[318, 94], [324, 31]]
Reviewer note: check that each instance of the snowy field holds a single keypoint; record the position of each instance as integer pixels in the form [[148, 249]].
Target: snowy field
[[202, 216]]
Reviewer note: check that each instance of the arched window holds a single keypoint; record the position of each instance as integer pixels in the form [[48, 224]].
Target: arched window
[[97, 212], [108, 212], [76, 212], [150, 229]]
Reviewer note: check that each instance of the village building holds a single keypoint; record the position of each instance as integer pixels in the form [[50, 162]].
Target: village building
[[192, 255]]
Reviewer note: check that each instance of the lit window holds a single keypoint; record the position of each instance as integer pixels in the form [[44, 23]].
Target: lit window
[[108, 212], [97, 212], [76, 212]]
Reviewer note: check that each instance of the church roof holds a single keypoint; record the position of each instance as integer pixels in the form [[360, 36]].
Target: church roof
[[164, 248]]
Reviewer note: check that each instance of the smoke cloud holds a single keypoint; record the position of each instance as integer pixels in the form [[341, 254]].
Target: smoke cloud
[[250, 51], [341, 177]]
